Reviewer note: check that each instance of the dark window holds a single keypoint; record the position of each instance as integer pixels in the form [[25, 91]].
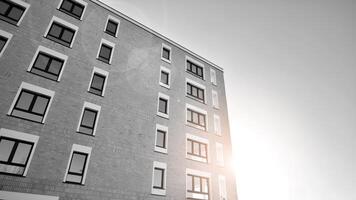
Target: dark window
[[195, 92], [166, 53], [161, 139], [77, 167], [111, 28], [198, 184], [196, 148], [3, 41], [31, 105], [87, 124], [61, 34], [195, 69], [165, 77], [47, 66], [196, 118], [162, 106], [72, 8], [97, 84], [158, 176], [14, 155], [105, 53], [10, 11]]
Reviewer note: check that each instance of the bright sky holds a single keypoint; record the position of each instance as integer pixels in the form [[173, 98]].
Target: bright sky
[[290, 72]]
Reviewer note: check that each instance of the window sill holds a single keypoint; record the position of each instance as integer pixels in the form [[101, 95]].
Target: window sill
[[57, 42], [42, 76], [160, 150], [159, 192], [92, 135], [201, 78], [166, 116], [115, 36], [164, 85], [25, 119], [167, 61], [196, 127], [198, 100], [104, 61], [74, 183], [197, 159], [96, 94], [70, 14], [10, 174]]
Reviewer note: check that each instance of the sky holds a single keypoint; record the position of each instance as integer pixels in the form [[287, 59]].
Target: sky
[[290, 76]]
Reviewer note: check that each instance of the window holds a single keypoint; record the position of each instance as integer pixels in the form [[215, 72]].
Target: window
[[89, 118], [196, 117], [217, 126], [215, 99], [74, 8], [61, 32], [163, 105], [31, 102], [159, 178], [5, 38], [213, 76], [165, 78], [219, 154], [48, 63], [166, 53], [13, 11], [78, 164], [105, 51], [195, 90], [16, 151], [98, 81], [161, 139], [112, 26], [194, 67], [222, 188], [198, 184], [197, 148]]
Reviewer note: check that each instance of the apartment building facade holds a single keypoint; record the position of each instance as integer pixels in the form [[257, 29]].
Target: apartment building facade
[[95, 105]]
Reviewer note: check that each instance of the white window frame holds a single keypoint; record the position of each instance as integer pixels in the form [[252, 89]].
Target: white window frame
[[110, 17], [36, 89], [217, 125], [200, 64], [64, 23], [170, 53], [165, 69], [156, 191], [222, 187], [213, 77], [166, 97], [92, 107], [22, 136], [201, 174], [81, 149], [52, 53], [8, 36], [201, 140], [101, 72], [201, 86], [159, 149], [28, 196], [215, 100], [23, 4], [83, 3], [219, 154], [108, 43], [200, 110]]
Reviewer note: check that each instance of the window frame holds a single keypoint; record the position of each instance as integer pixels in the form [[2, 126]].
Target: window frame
[[168, 71], [81, 149], [35, 89], [83, 3], [106, 43], [217, 125], [16, 135], [193, 194], [200, 111], [20, 3], [158, 148], [65, 24], [155, 190], [101, 72], [200, 140], [199, 86], [89, 106], [51, 53], [114, 19], [195, 62], [8, 36], [213, 79], [215, 101], [219, 147], [165, 46], [165, 97]]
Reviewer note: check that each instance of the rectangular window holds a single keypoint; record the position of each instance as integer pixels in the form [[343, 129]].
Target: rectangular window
[[195, 92], [98, 81], [163, 105], [16, 151], [12, 11], [105, 51], [197, 187], [73, 8], [197, 148], [166, 53], [61, 32], [213, 76], [159, 178], [161, 139], [89, 118], [165, 79], [5, 38], [3, 41], [112, 26], [217, 126], [219, 154], [222, 188], [215, 98], [78, 164], [194, 67], [31, 103], [196, 119]]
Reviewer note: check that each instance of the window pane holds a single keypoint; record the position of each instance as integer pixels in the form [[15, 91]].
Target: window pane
[[163, 106], [196, 148], [24, 101], [5, 149], [105, 52], [161, 139], [55, 67], [22, 153], [189, 183], [77, 164], [203, 150], [194, 91], [202, 120], [111, 27], [197, 184], [77, 10], [195, 117], [55, 30], [98, 82], [3, 7], [40, 105], [41, 61], [15, 13], [88, 118], [205, 185], [158, 175], [166, 53], [164, 77], [200, 94], [67, 36], [189, 146], [66, 5]]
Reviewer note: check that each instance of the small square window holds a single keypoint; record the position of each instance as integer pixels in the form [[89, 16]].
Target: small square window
[[78, 164], [89, 118], [105, 53], [164, 77], [12, 12], [97, 84], [111, 28], [159, 178], [161, 139], [166, 53], [72, 8], [163, 105]]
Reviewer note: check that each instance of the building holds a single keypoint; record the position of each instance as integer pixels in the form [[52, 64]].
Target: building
[[95, 105]]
